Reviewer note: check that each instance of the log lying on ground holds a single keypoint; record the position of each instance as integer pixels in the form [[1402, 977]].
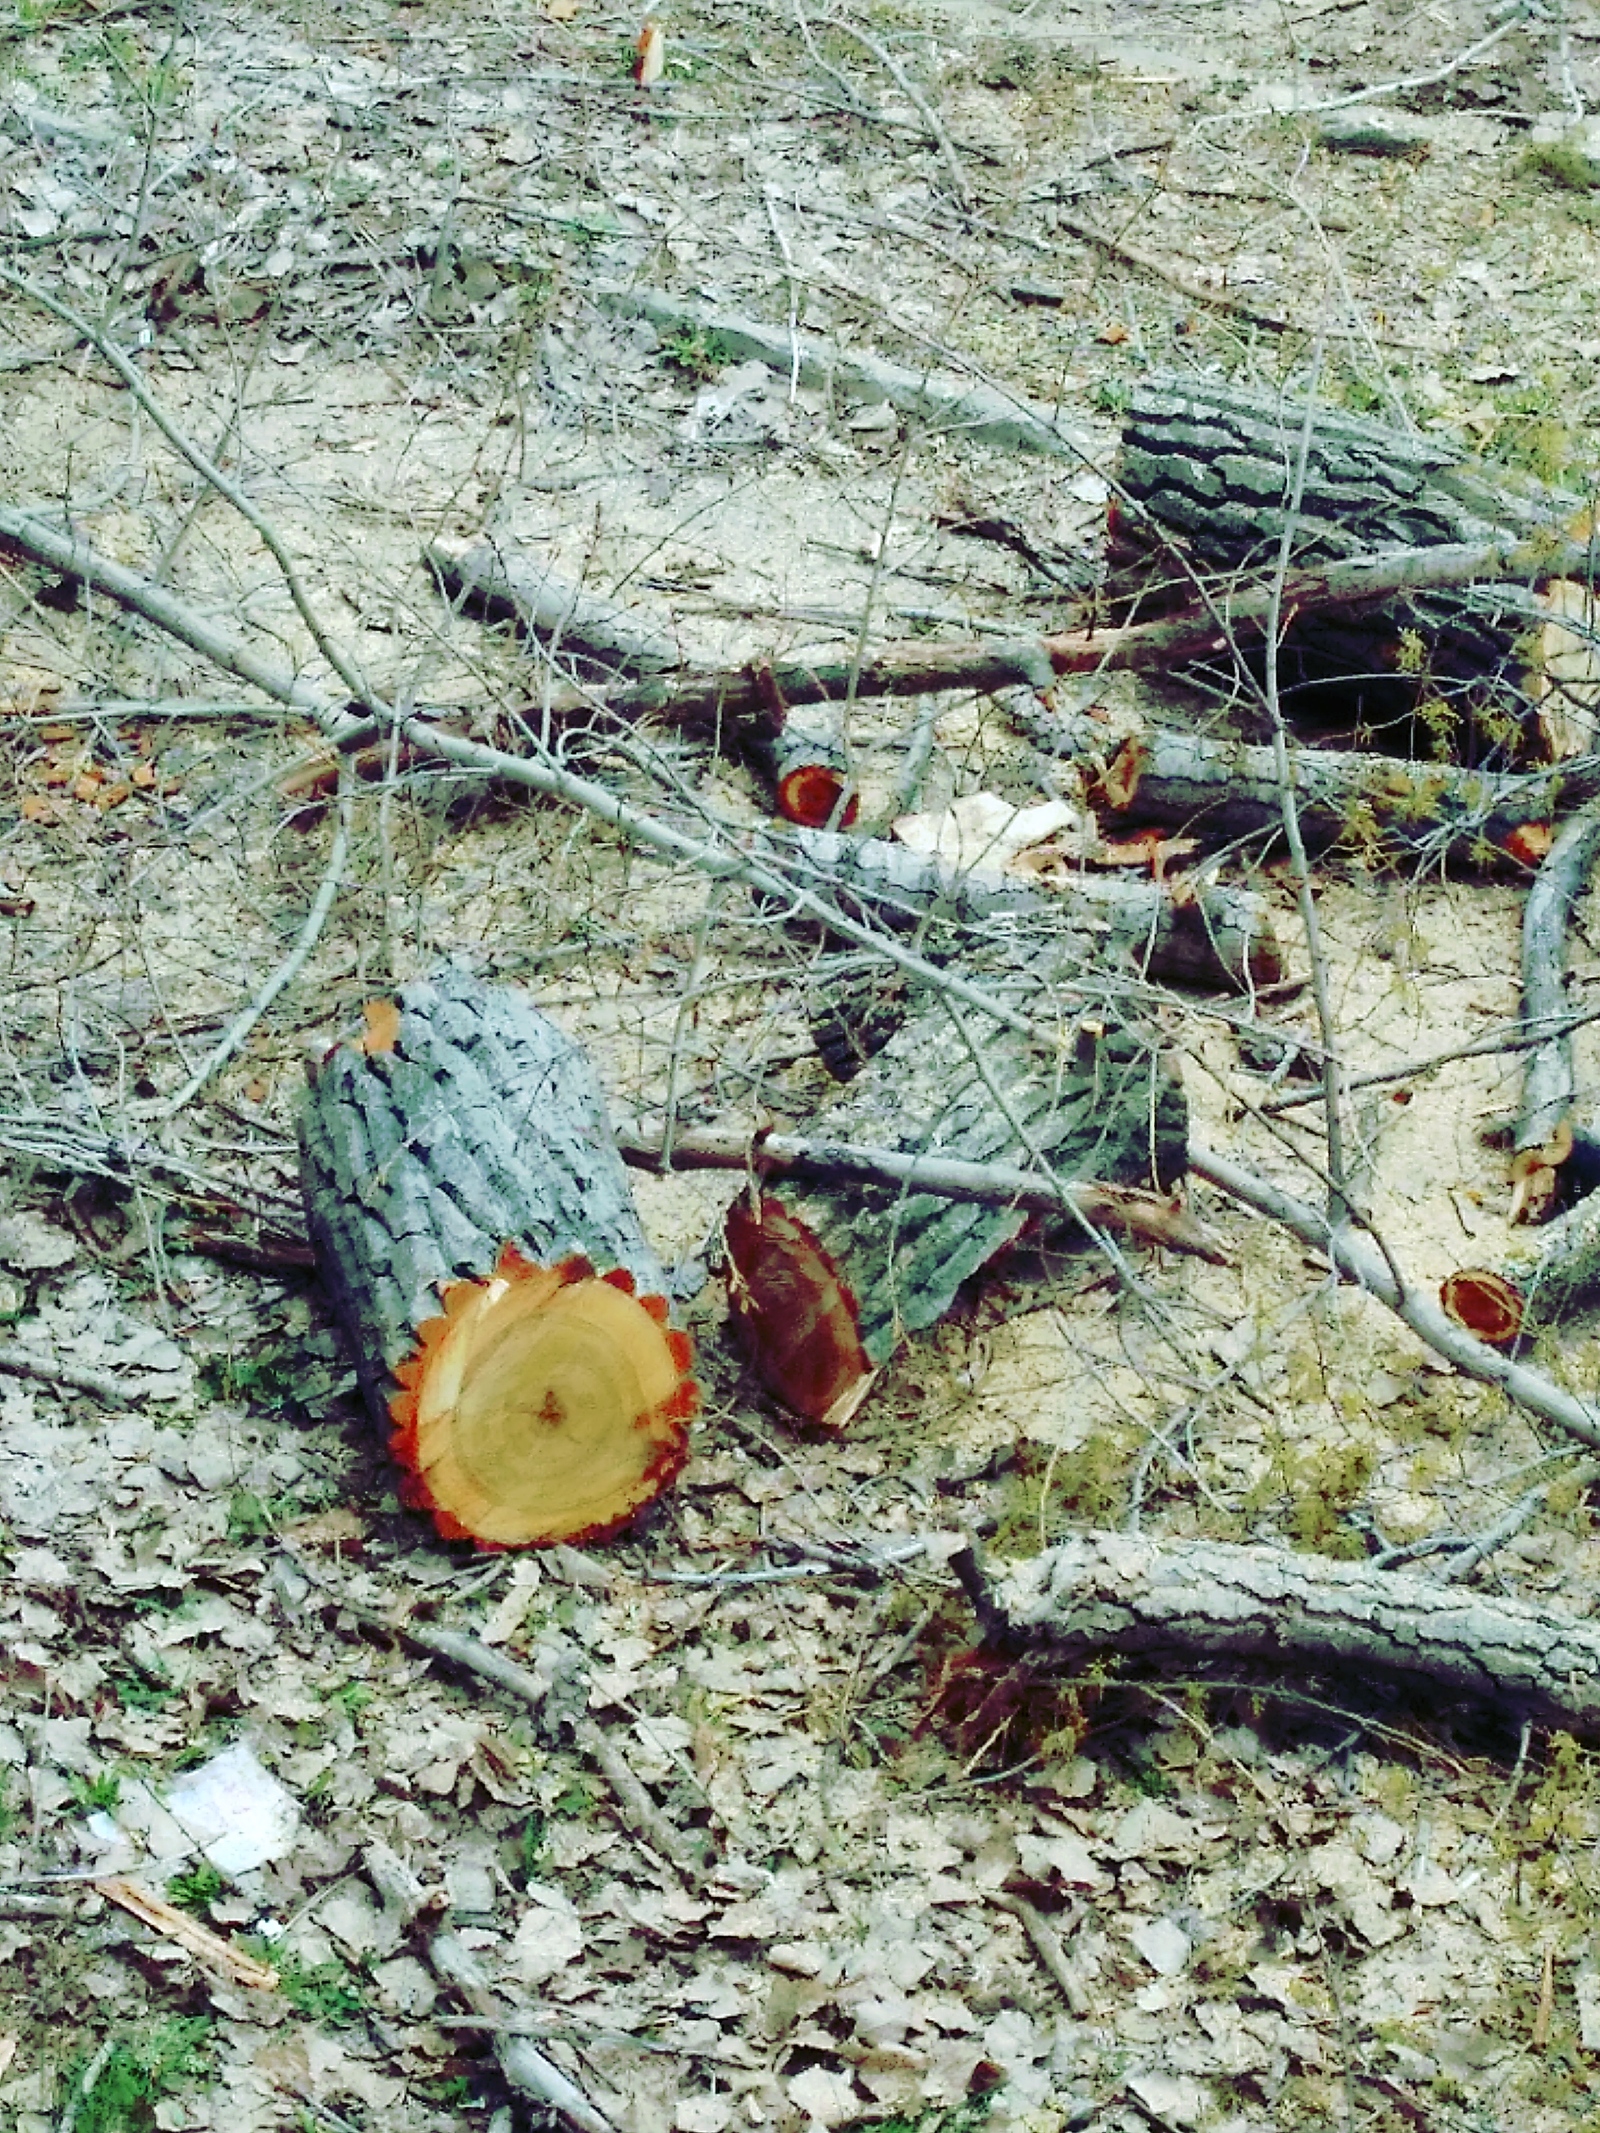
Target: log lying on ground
[[1213, 465], [1208, 935], [473, 1226], [1114, 1592], [952, 404], [1545, 1137], [828, 1275], [1377, 804]]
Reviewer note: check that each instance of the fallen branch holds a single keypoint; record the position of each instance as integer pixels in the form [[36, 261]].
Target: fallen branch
[[525, 2067], [946, 403], [1360, 1261], [1100, 1592], [1126, 1211], [1545, 1126], [1379, 803], [1184, 932], [23, 1363], [497, 580], [187, 1933]]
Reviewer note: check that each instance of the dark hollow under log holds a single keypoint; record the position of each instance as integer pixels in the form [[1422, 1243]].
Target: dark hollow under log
[[1119, 1593], [829, 1275], [473, 1227]]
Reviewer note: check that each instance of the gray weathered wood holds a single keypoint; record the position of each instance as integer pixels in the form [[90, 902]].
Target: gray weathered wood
[[1112, 1592]]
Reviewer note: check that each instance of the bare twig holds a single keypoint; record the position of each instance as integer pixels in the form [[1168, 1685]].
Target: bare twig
[[291, 966]]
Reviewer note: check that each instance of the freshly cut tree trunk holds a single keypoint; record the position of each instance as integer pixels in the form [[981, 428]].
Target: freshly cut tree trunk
[[1214, 466], [828, 1275], [473, 1226], [1117, 1592]]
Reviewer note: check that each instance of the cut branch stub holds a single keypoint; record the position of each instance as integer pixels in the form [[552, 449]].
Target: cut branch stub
[[474, 1229], [1555, 1275], [829, 1274]]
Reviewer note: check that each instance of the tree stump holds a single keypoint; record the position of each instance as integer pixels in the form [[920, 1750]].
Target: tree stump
[[828, 1276], [473, 1226], [1213, 467]]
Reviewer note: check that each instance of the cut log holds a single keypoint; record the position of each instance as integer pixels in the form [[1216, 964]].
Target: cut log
[[1183, 934], [1545, 1129], [1554, 1276], [1212, 466], [1116, 1592], [1378, 805], [473, 1227], [829, 1275], [803, 759]]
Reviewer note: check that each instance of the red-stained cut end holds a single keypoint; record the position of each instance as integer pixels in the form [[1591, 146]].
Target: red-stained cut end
[[794, 1313], [1485, 1303]]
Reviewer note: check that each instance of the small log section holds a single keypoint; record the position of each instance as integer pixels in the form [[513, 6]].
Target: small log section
[[1101, 1592], [1213, 466], [828, 1275], [473, 1226], [1185, 934]]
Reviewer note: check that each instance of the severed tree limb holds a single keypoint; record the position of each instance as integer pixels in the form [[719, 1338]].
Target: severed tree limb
[[1544, 1137], [1215, 1599], [525, 2067], [23, 1363], [498, 579], [1230, 789], [1553, 1275], [1123, 1209]]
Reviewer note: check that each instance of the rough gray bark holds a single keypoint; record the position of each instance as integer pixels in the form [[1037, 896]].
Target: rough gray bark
[[1547, 1079], [1212, 466], [1209, 936], [1112, 1592], [1378, 804], [485, 1126], [465, 1123], [829, 1275]]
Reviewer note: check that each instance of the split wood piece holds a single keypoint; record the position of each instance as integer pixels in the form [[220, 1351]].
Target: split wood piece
[[827, 1276], [472, 1223], [1545, 1137], [1207, 936], [961, 406], [209, 1949], [1114, 1592], [498, 580], [1125, 1210], [1555, 1276], [1377, 804], [1214, 465]]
